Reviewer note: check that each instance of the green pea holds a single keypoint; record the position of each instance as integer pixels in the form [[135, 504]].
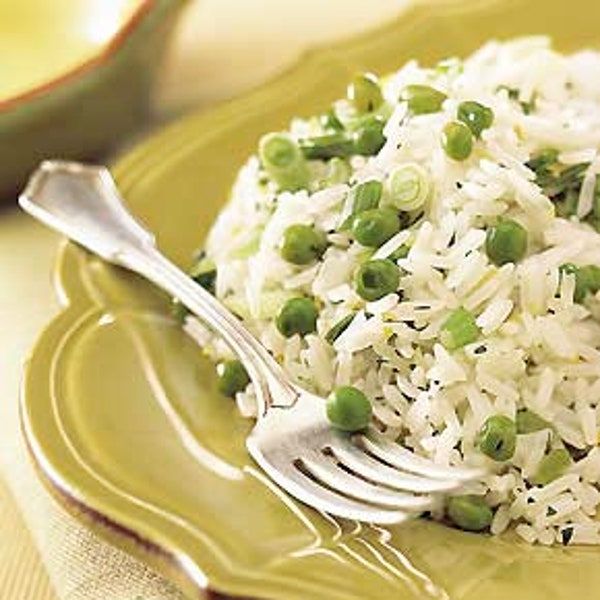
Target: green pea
[[376, 279], [476, 116], [552, 466], [349, 409], [459, 329], [457, 140], [233, 378], [338, 144], [587, 279], [302, 244], [527, 421], [297, 316], [364, 93], [469, 512], [283, 161], [498, 437], [374, 227], [506, 242], [369, 138], [422, 99], [339, 328]]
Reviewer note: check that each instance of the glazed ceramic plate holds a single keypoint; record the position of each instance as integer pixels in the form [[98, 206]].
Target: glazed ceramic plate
[[120, 408], [75, 76]]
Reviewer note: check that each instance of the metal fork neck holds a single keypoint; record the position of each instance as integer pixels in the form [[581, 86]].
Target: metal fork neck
[[266, 374]]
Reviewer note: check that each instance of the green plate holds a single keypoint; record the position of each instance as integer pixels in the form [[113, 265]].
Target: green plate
[[120, 408]]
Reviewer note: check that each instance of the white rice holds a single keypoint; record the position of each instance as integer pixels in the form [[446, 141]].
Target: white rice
[[538, 348]]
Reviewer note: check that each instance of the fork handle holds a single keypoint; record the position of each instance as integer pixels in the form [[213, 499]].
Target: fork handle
[[266, 374], [83, 203]]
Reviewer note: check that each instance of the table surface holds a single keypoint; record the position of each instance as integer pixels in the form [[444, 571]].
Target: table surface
[[222, 47]]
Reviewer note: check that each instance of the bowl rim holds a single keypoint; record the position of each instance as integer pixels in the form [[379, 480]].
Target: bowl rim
[[104, 53]]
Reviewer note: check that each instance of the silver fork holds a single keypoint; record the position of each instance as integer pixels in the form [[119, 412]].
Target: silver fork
[[363, 476]]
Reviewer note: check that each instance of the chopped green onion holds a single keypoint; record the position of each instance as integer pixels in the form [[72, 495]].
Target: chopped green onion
[[552, 466], [497, 438], [527, 421], [338, 171], [364, 93], [459, 329], [369, 138], [408, 187], [329, 145], [422, 99], [365, 139], [283, 161], [365, 196]]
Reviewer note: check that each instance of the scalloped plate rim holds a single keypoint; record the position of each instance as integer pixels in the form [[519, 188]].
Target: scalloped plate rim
[[73, 307]]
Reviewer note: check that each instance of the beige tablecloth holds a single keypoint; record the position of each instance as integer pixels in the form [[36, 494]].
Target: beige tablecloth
[[222, 47]]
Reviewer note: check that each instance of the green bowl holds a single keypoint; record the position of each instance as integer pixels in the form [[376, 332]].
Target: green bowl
[[120, 408], [77, 87]]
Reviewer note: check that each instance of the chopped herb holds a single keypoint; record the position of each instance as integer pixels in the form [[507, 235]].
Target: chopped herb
[[566, 534], [543, 161], [204, 272], [527, 106], [399, 253], [562, 183], [550, 511], [339, 328]]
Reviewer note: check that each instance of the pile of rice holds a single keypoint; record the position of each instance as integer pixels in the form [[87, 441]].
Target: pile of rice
[[538, 349]]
